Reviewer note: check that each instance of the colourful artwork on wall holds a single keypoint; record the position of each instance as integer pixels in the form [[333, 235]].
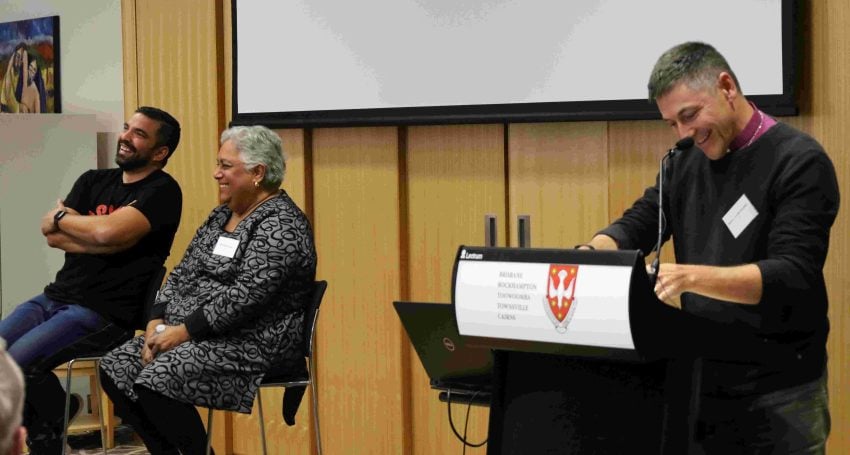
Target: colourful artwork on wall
[[29, 66]]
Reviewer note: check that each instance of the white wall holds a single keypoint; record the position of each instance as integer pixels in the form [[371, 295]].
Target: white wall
[[40, 158], [42, 155], [90, 54]]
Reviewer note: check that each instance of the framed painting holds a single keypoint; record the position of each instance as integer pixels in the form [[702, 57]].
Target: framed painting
[[29, 66]]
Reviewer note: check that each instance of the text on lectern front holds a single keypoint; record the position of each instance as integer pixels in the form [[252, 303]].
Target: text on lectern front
[[577, 304]]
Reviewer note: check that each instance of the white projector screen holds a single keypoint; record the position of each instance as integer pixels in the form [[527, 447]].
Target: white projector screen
[[303, 63]]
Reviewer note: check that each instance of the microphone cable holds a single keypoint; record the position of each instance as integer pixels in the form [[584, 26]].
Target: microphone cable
[[662, 220], [682, 144], [463, 439]]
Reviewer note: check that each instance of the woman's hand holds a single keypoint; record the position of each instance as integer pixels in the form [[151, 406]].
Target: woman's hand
[[166, 340], [150, 332], [147, 355]]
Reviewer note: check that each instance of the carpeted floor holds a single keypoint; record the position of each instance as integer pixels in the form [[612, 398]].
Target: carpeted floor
[[89, 443]]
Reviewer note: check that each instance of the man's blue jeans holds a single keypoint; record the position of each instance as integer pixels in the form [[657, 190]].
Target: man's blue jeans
[[41, 334], [40, 328]]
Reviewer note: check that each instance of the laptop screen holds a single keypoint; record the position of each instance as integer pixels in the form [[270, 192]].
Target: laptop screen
[[449, 362]]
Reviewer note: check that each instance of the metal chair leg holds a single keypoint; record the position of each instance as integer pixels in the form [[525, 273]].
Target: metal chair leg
[[67, 407], [262, 420], [103, 436], [209, 429], [314, 393]]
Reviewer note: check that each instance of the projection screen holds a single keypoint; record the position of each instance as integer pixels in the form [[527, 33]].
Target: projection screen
[[300, 63]]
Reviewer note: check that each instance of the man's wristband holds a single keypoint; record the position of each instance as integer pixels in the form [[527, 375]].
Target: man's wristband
[[58, 216], [586, 245]]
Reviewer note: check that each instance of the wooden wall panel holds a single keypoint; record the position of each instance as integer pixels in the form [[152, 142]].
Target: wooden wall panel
[[827, 98], [227, 62], [356, 219], [176, 69], [295, 180], [129, 57], [635, 149], [455, 175], [558, 174]]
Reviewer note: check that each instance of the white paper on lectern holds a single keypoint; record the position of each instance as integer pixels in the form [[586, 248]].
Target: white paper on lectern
[[509, 300]]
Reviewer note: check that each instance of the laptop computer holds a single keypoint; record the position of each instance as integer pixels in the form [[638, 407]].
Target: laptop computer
[[448, 360]]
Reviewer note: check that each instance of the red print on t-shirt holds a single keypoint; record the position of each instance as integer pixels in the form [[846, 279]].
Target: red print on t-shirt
[[103, 209]]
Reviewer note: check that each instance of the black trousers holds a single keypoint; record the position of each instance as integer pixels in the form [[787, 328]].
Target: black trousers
[[44, 405], [166, 426]]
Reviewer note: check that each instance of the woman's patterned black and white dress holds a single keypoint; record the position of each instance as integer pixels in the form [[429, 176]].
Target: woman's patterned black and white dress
[[251, 306]]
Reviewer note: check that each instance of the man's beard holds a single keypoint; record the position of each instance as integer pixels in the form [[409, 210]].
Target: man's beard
[[135, 161]]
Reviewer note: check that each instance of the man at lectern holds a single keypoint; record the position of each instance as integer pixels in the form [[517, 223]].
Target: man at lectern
[[750, 209]]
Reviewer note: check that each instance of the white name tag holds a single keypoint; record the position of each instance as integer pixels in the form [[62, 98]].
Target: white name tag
[[226, 247], [740, 216]]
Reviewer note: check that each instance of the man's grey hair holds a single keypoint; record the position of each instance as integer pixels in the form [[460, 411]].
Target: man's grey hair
[[693, 63], [259, 145], [11, 399]]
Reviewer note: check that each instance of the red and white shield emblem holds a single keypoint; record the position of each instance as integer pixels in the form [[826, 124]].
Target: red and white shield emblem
[[560, 295]]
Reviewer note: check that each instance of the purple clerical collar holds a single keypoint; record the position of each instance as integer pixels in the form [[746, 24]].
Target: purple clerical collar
[[759, 124]]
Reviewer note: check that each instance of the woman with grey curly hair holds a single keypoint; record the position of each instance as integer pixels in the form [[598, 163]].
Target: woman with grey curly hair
[[232, 308]]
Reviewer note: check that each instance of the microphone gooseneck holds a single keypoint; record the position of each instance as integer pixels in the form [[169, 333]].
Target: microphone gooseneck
[[682, 144]]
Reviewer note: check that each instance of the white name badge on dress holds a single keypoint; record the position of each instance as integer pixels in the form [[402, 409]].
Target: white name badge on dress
[[226, 247], [740, 216]]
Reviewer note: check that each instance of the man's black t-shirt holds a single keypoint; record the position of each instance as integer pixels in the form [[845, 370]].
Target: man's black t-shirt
[[114, 284]]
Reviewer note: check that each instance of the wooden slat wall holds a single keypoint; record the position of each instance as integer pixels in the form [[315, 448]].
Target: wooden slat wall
[[387, 226], [559, 176], [635, 149], [455, 174], [356, 197], [827, 96], [175, 69]]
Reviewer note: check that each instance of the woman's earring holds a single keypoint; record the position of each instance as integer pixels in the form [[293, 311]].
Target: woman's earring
[[256, 183]]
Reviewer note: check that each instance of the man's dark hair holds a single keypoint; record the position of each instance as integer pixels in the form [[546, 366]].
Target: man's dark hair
[[695, 64], [169, 129]]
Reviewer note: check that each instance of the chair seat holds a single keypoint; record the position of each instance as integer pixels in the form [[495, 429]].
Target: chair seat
[[285, 378], [288, 371], [89, 356], [95, 353]]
